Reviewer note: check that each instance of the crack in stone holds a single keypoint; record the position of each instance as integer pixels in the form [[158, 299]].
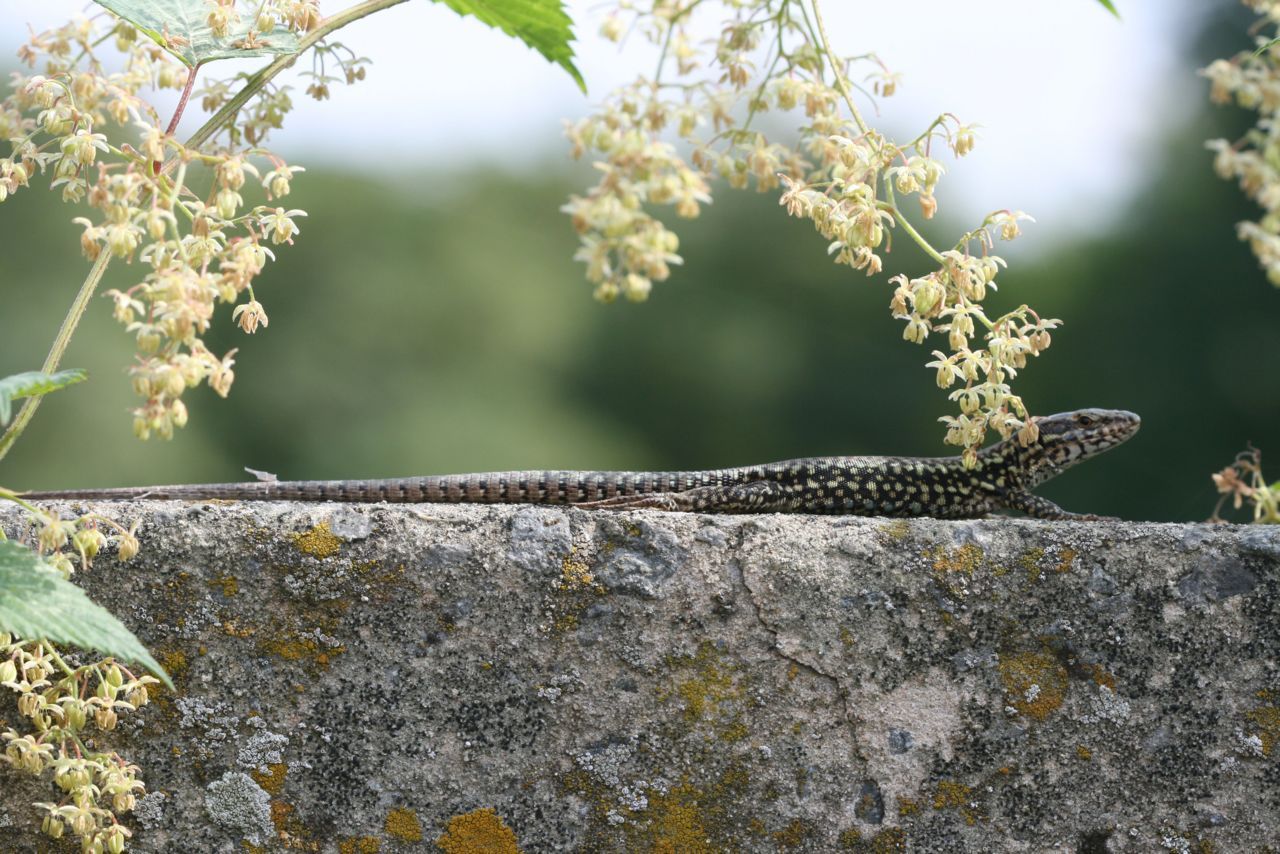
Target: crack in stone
[[739, 575]]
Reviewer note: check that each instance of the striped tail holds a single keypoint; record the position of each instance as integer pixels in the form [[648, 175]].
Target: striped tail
[[509, 487]]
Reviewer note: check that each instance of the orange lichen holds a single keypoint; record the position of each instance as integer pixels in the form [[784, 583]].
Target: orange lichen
[[362, 845], [403, 824], [1083, 753], [1066, 558], [272, 780], [678, 826], [480, 831], [320, 542], [1035, 683], [301, 648]]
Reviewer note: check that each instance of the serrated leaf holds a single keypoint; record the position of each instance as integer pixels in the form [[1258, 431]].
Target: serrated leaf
[[1110, 7], [182, 28], [37, 602], [541, 24], [34, 384]]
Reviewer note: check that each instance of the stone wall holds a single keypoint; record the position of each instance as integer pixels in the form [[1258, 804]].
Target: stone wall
[[363, 678]]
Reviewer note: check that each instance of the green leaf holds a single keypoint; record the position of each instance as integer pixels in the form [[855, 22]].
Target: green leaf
[[34, 384], [1110, 7], [182, 28], [541, 24], [37, 602]]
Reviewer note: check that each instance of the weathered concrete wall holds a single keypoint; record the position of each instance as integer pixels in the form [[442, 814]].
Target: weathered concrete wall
[[356, 678]]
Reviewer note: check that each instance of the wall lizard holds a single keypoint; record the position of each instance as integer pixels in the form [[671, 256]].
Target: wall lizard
[[940, 487]]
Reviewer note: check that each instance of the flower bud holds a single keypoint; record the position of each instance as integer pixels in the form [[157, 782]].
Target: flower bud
[[128, 547]]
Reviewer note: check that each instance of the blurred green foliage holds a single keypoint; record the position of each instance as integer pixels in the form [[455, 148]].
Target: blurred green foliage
[[437, 324]]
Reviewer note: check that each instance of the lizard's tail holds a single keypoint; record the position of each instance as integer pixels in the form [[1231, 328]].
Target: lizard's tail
[[508, 487]]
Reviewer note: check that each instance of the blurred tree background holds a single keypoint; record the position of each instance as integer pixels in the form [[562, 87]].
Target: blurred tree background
[[438, 325]]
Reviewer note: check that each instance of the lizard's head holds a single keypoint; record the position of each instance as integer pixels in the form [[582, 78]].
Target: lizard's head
[[1069, 437]]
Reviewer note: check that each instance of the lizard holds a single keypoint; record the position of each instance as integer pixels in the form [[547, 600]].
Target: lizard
[[941, 487]]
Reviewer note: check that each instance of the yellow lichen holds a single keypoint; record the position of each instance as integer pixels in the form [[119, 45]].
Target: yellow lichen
[[896, 530], [174, 662], [678, 825], [957, 796], [403, 824], [227, 583], [272, 780], [908, 806], [320, 542], [964, 559], [575, 573], [794, 834], [1083, 753], [1030, 561], [1266, 719], [361, 845], [713, 683], [292, 647], [1035, 683], [480, 831], [1066, 558]]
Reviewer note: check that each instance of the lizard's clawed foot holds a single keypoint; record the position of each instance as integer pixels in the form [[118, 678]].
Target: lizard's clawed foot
[[668, 501]]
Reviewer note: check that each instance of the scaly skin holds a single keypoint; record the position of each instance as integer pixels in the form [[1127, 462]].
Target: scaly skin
[[940, 487]]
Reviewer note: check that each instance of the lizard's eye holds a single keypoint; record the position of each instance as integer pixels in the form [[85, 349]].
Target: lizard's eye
[[1084, 420]]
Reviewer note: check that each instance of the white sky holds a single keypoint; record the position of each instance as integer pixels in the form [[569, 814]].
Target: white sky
[[1068, 97]]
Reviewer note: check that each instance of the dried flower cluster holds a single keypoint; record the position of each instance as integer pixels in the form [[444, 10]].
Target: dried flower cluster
[[63, 705], [840, 173], [180, 212], [1251, 79], [1243, 481]]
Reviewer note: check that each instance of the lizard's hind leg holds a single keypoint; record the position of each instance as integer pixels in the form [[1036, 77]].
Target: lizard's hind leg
[[755, 496]]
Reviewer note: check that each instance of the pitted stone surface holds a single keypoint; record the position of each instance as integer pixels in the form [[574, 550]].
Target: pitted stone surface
[[360, 677]]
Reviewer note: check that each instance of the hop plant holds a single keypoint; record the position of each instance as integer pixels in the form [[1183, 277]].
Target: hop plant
[[663, 140], [1251, 79], [184, 215]]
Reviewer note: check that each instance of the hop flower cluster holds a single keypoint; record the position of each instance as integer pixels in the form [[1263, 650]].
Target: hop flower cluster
[[180, 212], [1242, 481], [839, 173], [1251, 79], [63, 706]]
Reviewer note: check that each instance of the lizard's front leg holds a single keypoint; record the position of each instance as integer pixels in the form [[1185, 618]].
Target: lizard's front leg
[[1043, 508], [756, 496]]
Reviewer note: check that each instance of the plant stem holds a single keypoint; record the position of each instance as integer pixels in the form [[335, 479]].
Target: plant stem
[[841, 83], [59, 347], [182, 102]]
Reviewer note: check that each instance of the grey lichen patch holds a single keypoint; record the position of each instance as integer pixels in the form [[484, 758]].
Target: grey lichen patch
[[236, 803], [149, 809], [539, 539], [262, 749], [639, 558]]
